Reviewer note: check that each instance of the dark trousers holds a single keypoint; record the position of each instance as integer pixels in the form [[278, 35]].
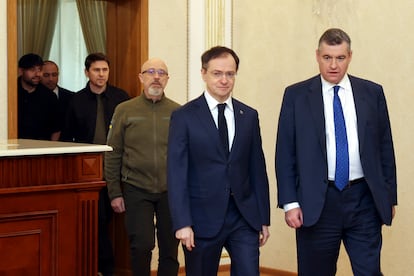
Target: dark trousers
[[106, 261], [239, 239], [349, 216], [139, 221]]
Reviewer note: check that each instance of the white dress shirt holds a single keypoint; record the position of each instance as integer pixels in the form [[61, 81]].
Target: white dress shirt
[[228, 114], [348, 107], [56, 91]]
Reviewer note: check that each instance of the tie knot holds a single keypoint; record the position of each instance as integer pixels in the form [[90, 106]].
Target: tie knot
[[336, 89], [221, 107]]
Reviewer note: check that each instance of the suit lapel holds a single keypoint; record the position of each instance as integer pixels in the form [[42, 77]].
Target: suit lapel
[[359, 93], [239, 124], [317, 109], [203, 114]]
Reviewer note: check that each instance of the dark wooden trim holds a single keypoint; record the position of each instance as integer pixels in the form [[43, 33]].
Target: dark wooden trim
[[49, 214], [32, 171], [144, 32], [277, 272], [127, 42], [12, 69]]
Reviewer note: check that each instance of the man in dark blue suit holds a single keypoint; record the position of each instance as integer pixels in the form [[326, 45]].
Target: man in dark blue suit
[[307, 164], [218, 189]]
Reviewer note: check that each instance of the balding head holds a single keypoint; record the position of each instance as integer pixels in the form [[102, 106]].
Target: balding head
[[155, 63], [50, 74], [154, 77]]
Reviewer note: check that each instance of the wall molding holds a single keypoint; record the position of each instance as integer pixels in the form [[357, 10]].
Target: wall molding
[[209, 23]]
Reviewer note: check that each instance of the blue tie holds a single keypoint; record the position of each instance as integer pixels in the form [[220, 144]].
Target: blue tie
[[342, 155]]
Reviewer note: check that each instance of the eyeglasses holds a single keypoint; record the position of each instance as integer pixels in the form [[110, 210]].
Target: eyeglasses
[[161, 73], [219, 75]]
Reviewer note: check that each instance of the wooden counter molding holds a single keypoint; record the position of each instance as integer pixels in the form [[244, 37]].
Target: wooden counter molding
[[49, 207]]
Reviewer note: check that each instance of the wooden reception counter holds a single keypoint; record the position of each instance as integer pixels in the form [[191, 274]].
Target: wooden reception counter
[[49, 207]]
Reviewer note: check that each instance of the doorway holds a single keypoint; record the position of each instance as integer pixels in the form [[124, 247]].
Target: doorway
[[127, 48]]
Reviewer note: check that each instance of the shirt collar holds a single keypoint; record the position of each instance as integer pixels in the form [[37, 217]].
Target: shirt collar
[[344, 83], [93, 95], [212, 103]]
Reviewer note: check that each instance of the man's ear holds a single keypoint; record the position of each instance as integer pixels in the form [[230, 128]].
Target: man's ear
[[203, 73]]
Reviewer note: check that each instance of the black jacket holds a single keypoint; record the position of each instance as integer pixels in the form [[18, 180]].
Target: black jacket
[[81, 114], [64, 98], [37, 113]]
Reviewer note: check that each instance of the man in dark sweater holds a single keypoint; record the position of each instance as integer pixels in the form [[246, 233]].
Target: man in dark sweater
[[37, 105], [136, 171], [87, 121], [90, 111]]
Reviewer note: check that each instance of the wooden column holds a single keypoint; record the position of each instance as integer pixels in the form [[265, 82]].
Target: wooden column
[[12, 69], [127, 42]]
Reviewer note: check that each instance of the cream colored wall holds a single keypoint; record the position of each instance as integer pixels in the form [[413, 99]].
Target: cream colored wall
[[3, 70], [276, 42], [168, 41]]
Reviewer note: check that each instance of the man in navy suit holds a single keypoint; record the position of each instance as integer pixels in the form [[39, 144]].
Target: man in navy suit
[[323, 214], [218, 190]]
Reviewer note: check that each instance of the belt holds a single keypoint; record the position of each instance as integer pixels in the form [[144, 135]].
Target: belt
[[350, 183]]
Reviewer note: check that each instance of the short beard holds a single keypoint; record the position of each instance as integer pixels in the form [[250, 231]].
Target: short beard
[[155, 91], [31, 83]]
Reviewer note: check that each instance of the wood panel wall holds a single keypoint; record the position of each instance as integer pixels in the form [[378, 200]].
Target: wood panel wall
[[127, 42], [49, 214]]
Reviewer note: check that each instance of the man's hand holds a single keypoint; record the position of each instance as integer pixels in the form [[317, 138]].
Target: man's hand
[[294, 218], [118, 205], [186, 236], [264, 235]]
